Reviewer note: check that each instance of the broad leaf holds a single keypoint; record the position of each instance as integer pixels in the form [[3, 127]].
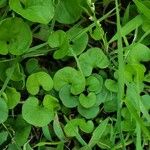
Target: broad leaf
[[88, 113], [12, 97], [41, 11], [15, 36], [35, 80], [67, 98], [87, 101], [69, 75], [93, 58], [39, 115]]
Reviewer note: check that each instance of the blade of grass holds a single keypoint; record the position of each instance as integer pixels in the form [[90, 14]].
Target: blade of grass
[[120, 75]]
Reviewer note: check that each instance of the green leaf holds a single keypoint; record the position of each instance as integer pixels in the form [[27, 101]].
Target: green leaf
[[97, 32], [68, 11], [78, 45], [87, 101], [41, 11], [22, 130], [3, 137], [88, 113], [146, 101], [12, 97], [69, 75], [134, 72], [18, 40], [17, 74], [72, 127], [97, 134], [32, 65], [35, 80], [129, 27], [136, 117], [93, 58], [58, 129], [111, 85], [111, 104], [59, 39], [36, 114], [94, 83], [3, 111], [67, 98], [142, 8], [138, 53]]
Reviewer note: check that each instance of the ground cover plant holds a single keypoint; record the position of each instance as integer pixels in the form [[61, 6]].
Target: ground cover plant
[[74, 74]]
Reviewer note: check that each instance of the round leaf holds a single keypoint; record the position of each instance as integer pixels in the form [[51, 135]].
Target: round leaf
[[67, 98], [41, 11], [78, 45], [93, 58], [13, 97], [59, 40], [88, 113], [87, 101], [15, 36], [94, 83], [111, 85], [35, 114], [35, 80], [69, 75]]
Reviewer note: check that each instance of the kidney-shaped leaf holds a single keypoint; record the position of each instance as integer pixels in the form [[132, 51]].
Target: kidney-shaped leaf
[[36, 114], [78, 45], [87, 101], [94, 83], [15, 36], [67, 98], [93, 58], [72, 127], [88, 113], [138, 52], [12, 97], [35, 80], [3, 111], [41, 11], [69, 75], [59, 39]]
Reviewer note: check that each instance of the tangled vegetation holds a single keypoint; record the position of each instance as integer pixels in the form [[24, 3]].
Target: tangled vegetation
[[74, 74]]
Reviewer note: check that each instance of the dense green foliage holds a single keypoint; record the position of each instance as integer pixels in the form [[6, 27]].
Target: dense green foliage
[[74, 74]]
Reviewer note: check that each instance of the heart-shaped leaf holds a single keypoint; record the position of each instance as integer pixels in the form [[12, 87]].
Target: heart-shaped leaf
[[67, 98], [87, 101], [78, 45], [137, 53], [88, 113], [12, 97], [14, 40], [59, 39], [3, 111], [93, 58], [41, 11], [35, 80], [72, 127], [94, 83], [69, 75], [111, 85], [39, 115]]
